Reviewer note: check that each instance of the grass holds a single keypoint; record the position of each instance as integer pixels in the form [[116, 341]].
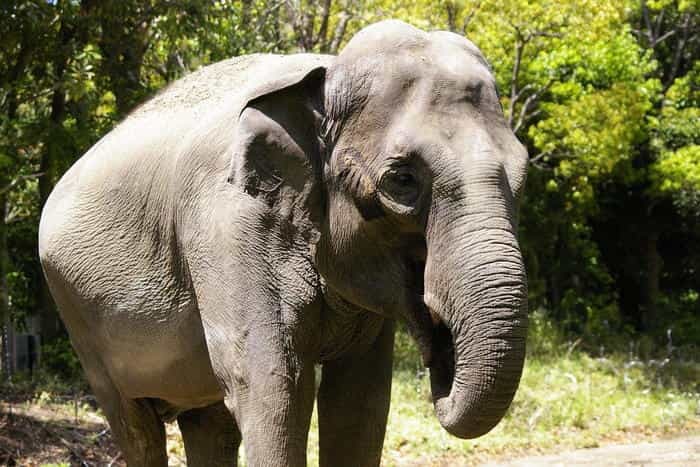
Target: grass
[[575, 401], [567, 399]]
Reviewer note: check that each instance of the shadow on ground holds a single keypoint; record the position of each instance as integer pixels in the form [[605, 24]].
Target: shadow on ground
[[32, 435]]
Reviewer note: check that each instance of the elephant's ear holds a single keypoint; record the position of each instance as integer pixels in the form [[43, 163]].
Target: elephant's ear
[[276, 156]]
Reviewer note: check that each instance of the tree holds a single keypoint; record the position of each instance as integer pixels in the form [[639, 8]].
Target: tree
[[604, 94]]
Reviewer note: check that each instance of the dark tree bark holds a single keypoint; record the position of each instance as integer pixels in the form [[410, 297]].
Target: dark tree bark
[[53, 147], [323, 29], [71, 36], [5, 365], [452, 11], [124, 41], [651, 292], [305, 18], [245, 12], [343, 19]]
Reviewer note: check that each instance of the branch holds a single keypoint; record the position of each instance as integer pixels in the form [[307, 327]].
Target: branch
[[519, 46], [16, 181], [657, 26], [263, 18], [678, 53], [534, 34], [451, 10], [659, 40], [160, 69], [343, 18], [467, 21], [322, 37], [531, 99], [296, 22], [520, 94], [647, 21], [245, 12], [540, 156], [653, 31], [523, 110], [535, 161]]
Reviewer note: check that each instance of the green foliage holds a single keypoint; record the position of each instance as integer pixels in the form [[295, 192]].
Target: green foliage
[[676, 172], [59, 358], [679, 321], [566, 398], [591, 136], [605, 95], [544, 338]]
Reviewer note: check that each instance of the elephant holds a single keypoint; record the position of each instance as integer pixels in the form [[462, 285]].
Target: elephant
[[268, 215]]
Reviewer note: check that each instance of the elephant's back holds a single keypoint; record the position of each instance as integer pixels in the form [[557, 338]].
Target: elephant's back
[[111, 228], [150, 150], [210, 82], [228, 79], [129, 175]]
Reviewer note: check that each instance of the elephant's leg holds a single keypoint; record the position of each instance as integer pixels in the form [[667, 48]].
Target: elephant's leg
[[136, 426], [353, 404], [270, 390], [211, 436]]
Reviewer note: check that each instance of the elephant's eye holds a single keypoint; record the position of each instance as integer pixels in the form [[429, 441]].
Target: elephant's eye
[[400, 185], [405, 180]]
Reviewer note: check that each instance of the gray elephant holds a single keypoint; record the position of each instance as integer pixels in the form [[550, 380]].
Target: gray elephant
[[269, 213]]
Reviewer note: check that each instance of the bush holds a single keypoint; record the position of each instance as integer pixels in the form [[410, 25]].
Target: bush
[[58, 359]]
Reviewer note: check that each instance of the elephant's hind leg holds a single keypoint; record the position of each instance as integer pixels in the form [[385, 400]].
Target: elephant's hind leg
[[211, 436], [135, 425]]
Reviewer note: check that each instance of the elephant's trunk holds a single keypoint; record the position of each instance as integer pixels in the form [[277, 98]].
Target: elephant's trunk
[[476, 292]]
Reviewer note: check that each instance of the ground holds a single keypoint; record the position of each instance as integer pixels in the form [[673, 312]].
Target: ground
[[568, 399], [45, 431], [39, 432], [674, 452]]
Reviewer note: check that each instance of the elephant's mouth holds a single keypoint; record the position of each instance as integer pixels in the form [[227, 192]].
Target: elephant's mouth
[[433, 337]]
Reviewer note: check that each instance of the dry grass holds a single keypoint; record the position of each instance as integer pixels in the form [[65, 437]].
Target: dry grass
[[567, 399]]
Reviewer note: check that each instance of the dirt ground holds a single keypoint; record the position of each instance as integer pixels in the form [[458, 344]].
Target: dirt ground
[[34, 434], [37, 434], [682, 452]]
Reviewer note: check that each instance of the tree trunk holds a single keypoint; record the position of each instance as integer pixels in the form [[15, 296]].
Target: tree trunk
[[651, 293], [51, 327], [451, 10], [6, 366], [339, 33], [124, 41], [54, 145]]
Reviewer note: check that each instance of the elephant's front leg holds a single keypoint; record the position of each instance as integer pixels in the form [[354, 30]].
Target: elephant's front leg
[[353, 404], [271, 394]]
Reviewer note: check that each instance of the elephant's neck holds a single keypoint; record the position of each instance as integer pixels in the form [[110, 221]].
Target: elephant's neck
[[345, 328]]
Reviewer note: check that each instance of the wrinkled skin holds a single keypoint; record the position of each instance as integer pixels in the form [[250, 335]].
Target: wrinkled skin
[[270, 213]]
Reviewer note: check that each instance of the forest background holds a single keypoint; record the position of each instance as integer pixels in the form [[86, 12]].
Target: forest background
[[605, 95]]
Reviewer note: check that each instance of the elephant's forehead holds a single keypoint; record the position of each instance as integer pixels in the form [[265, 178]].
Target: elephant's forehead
[[435, 75], [464, 65]]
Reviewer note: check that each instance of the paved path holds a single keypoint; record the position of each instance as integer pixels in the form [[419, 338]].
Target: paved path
[[682, 452]]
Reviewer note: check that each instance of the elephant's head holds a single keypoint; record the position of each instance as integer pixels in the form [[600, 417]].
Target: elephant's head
[[399, 166]]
